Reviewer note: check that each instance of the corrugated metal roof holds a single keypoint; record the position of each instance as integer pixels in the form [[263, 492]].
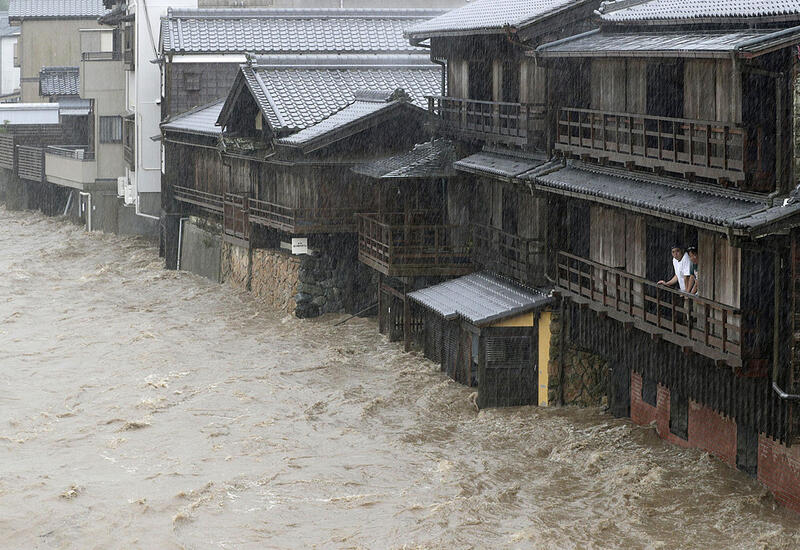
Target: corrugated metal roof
[[73, 106], [623, 188], [492, 163], [489, 16], [59, 81], [272, 31], [675, 11], [295, 92], [480, 298], [55, 9], [672, 44], [201, 120], [432, 159]]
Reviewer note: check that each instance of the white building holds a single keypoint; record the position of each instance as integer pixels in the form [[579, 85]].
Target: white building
[[9, 72]]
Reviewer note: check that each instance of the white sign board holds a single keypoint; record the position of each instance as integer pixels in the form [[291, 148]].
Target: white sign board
[[300, 245]]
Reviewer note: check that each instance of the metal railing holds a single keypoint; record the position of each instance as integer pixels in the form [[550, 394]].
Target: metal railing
[[101, 56], [707, 148], [74, 152], [235, 215], [507, 254], [302, 220], [412, 243], [30, 162], [713, 328], [496, 121], [210, 201]]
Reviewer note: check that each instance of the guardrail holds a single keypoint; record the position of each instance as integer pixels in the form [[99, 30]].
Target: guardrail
[[508, 254], [302, 220]]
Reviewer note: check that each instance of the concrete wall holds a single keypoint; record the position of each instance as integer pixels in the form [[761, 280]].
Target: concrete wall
[[201, 250], [48, 43]]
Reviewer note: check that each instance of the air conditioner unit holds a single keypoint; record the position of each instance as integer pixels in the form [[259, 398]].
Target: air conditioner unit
[[122, 182]]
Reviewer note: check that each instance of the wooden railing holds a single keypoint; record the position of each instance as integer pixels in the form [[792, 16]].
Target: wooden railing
[[208, 201], [412, 244], [710, 328], [30, 162], [506, 254], [716, 150], [492, 121], [7, 151], [235, 215], [302, 221]]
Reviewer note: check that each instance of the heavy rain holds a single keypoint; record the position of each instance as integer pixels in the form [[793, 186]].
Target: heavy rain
[[443, 274]]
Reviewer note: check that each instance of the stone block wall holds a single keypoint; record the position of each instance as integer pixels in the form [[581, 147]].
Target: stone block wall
[[576, 377], [274, 278]]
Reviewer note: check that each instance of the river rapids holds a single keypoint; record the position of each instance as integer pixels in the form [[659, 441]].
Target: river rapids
[[143, 408]]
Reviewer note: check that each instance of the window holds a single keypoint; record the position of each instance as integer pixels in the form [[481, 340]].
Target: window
[[191, 82], [110, 129]]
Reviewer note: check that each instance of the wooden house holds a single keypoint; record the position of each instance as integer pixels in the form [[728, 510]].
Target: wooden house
[[675, 123], [493, 109]]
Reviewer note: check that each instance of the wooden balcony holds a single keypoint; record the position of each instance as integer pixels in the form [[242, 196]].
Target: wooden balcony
[[235, 216], [302, 221], [507, 254], [7, 151], [411, 244], [709, 328], [725, 152], [30, 163], [516, 124], [210, 202]]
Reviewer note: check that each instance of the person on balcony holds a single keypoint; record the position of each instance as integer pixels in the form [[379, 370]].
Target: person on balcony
[[681, 264], [692, 253]]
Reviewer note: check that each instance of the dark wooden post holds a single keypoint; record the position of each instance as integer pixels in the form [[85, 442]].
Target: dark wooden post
[[406, 320]]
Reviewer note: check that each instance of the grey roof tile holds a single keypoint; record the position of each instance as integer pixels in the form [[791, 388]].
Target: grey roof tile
[[674, 11], [273, 31], [55, 9], [489, 16], [493, 163], [480, 298], [432, 159], [672, 44], [201, 120], [59, 81], [662, 196], [295, 92]]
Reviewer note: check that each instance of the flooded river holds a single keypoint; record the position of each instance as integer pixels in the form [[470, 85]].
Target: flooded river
[[141, 408]]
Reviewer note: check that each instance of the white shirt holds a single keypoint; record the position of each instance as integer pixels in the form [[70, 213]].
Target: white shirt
[[682, 270]]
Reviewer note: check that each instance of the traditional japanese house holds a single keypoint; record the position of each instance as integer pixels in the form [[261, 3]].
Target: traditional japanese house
[[494, 110], [675, 120]]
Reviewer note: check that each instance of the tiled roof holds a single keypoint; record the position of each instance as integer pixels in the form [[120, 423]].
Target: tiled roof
[[295, 92], [493, 163], [54, 81], [480, 298], [55, 9], [673, 11], [672, 44], [201, 120], [366, 105], [432, 159], [5, 27], [662, 196], [273, 31], [489, 16]]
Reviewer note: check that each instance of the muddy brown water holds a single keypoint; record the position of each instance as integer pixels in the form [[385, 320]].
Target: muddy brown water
[[142, 408]]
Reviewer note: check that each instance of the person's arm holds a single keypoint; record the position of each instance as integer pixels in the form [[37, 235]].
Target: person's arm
[[671, 282], [691, 285]]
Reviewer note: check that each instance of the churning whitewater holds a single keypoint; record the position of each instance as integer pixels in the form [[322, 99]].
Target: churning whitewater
[[143, 408]]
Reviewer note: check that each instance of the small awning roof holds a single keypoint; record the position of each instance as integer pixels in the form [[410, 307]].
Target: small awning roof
[[480, 298], [200, 120], [73, 106], [744, 43], [740, 213], [498, 164], [426, 160]]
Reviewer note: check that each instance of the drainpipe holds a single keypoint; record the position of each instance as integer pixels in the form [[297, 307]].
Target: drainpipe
[[142, 214], [180, 240], [88, 209]]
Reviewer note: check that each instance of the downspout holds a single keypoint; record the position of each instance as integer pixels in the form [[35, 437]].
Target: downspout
[[180, 240]]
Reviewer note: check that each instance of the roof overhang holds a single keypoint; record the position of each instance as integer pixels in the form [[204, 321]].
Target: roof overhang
[[498, 165], [746, 43]]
